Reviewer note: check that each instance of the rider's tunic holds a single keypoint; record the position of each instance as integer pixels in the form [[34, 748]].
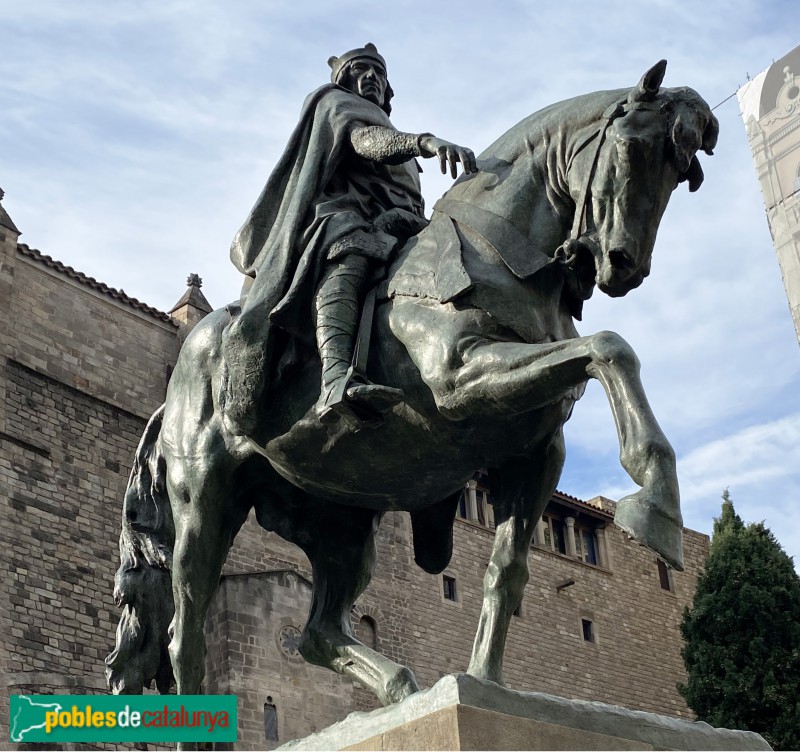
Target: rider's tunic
[[321, 201]]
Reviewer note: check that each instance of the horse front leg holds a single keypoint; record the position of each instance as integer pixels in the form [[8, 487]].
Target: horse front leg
[[652, 515], [472, 375], [343, 559], [511, 376], [521, 490]]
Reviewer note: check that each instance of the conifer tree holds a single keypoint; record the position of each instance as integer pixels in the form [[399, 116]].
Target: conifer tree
[[742, 651]]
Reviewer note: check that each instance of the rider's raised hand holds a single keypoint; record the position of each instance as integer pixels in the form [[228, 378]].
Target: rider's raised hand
[[448, 153]]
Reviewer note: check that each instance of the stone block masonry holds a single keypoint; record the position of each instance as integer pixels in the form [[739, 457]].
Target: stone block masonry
[[59, 501]]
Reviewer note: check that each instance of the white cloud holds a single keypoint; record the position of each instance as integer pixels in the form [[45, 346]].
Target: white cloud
[[747, 460], [758, 464]]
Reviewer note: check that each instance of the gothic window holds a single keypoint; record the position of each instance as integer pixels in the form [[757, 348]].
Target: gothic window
[[270, 720], [586, 545], [289, 640], [463, 502], [571, 533], [482, 511], [367, 632], [485, 508]]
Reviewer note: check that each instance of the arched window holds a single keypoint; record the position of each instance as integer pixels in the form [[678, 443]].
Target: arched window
[[367, 632], [270, 720]]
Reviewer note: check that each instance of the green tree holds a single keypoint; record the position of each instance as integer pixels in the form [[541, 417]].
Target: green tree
[[742, 651]]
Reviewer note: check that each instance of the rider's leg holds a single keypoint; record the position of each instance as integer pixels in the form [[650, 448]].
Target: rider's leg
[[337, 308]]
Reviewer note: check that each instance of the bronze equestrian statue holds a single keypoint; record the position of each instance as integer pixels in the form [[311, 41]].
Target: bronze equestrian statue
[[474, 326]]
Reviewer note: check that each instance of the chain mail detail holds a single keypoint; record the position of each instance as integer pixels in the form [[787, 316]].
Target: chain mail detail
[[377, 245], [384, 145]]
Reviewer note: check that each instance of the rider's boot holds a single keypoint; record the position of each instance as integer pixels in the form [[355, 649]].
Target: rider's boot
[[344, 392]]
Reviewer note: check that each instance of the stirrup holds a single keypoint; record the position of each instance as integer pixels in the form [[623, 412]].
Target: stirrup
[[357, 401]]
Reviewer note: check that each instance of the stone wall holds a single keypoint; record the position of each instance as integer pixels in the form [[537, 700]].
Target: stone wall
[[59, 501], [80, 371], [88, 339]]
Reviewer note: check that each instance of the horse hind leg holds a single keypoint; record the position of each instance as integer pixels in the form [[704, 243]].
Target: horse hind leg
[[343, 560], [205, 526]]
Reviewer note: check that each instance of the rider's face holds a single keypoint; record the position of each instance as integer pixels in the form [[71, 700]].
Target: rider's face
[[368, 80]]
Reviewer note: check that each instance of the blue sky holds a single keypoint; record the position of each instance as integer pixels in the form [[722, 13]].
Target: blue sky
[[135, 137]]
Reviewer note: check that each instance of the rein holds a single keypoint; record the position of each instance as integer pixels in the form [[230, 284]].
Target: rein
[[610, 115]]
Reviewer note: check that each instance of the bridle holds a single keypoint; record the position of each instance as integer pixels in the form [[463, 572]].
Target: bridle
[[515, 248], [614, 111], [611, 113]]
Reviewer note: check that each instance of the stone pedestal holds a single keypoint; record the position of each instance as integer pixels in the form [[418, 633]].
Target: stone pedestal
[[461, 712]]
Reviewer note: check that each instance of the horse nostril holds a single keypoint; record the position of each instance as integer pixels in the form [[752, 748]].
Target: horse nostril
[[620, 260]]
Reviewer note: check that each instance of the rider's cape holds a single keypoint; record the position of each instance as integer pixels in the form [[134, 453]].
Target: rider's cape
[[319, 192]]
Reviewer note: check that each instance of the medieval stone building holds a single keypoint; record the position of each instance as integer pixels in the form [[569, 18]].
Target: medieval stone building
[[83, 365]]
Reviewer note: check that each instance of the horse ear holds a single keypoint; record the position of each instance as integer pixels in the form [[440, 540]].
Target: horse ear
[[647, 88]]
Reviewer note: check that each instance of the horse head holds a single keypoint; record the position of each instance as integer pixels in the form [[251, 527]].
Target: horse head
[[621, 176]]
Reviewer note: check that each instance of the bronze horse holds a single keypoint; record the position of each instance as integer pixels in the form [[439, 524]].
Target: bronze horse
[[475, 324]]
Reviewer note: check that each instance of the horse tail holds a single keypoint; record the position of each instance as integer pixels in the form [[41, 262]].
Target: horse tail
[[143, 583]]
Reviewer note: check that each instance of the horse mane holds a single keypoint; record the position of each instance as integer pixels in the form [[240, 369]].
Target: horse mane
[[559, 127], [570, 116]]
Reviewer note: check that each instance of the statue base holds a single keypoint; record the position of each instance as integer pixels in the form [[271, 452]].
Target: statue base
[[461, 712]]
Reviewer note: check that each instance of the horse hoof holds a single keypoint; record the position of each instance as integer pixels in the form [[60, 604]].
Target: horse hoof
[[650, 526], [403, 684], [486, 676]]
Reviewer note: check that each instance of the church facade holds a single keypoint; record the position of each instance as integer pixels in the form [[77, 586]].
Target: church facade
[[82, 367]]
